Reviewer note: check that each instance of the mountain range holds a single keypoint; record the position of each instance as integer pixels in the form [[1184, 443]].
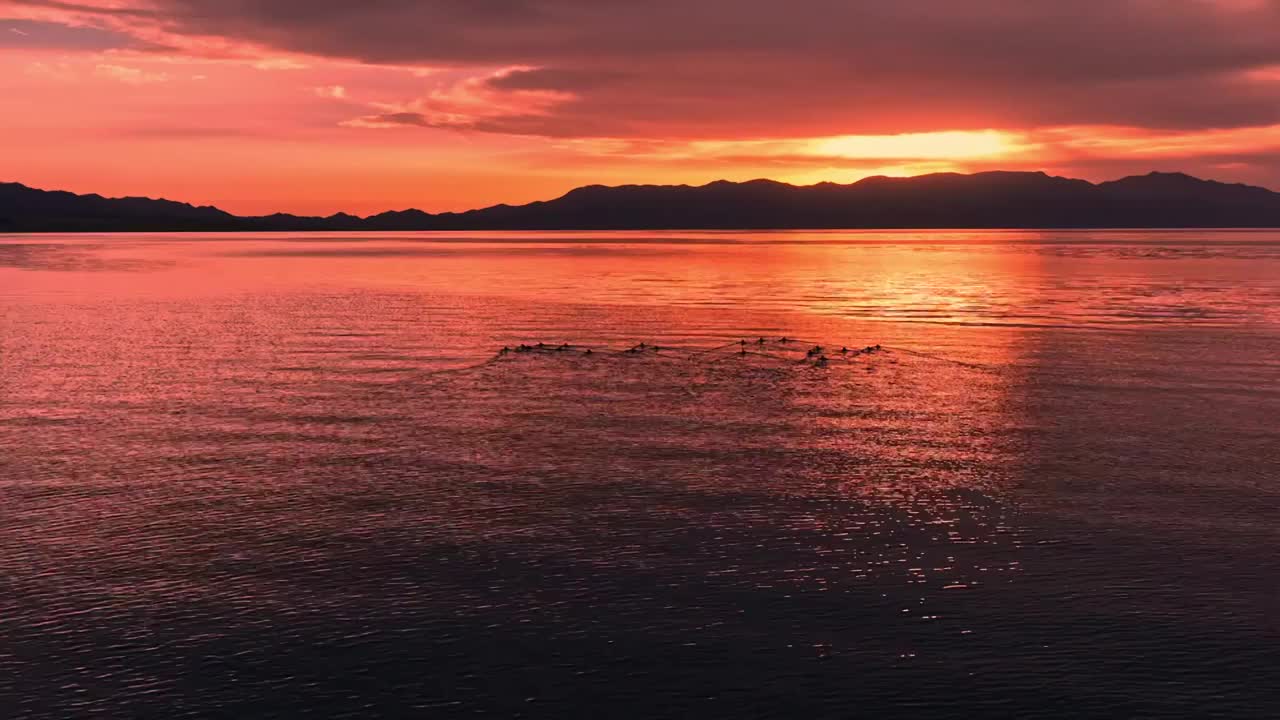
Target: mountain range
[[945, 200]]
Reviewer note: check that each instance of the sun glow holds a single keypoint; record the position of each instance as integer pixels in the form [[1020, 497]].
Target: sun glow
[[932, 146]]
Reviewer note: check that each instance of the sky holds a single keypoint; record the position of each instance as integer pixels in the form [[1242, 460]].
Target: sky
[[320, 106]]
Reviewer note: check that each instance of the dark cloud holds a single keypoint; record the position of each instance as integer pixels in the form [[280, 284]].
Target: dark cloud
[[765, 67], [1046, 38], [15, 33], [89, 9]]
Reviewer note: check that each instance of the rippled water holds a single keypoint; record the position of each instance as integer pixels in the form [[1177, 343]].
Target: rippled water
[[234, 481]]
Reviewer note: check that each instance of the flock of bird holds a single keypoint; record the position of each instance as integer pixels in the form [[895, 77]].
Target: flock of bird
[[816, 355]]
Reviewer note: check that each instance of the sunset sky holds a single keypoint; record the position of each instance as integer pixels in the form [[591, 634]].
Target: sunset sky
[[316, 106]]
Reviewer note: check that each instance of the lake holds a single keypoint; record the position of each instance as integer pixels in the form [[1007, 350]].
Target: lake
[[288, 475]]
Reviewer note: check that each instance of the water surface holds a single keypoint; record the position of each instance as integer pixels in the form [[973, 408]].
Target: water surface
[[236, 482]]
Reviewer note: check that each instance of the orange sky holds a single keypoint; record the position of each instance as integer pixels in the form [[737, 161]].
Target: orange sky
[[281, 105]]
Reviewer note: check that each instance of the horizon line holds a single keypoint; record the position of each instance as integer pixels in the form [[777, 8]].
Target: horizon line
[[719, 181]]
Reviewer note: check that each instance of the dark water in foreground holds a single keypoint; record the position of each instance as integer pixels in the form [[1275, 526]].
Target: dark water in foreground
[[233, 485]]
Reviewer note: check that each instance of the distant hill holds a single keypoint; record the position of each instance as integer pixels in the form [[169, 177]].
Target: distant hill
[[945, 200]]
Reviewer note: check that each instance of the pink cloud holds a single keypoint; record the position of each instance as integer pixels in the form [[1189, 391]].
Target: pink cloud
[[471, 103]]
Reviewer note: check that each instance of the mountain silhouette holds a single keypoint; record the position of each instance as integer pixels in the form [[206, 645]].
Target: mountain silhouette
[[944, 200]]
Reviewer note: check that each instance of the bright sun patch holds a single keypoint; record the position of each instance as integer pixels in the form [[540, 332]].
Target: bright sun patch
[[933, 145]]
